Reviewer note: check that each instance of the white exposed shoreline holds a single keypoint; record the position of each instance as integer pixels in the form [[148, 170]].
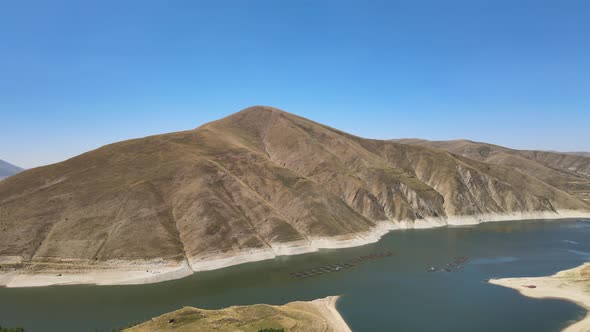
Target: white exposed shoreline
[[327, 307], [568, 285], [142, 272]]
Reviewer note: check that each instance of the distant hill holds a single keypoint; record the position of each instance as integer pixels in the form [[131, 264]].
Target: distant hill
[[567, 171], [264, 182], [580, 153], [7, 169]]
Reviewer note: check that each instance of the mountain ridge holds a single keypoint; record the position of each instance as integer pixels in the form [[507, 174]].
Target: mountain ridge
[[7, 169], [259, 183], [565, 171]]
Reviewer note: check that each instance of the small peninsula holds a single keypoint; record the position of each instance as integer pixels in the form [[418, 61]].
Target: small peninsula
[[317, 315], [572, 285]]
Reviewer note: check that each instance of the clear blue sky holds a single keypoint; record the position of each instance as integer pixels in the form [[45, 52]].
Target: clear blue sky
[[76, 75]]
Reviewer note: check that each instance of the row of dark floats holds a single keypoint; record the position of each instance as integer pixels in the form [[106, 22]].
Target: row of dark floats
[[457, 264], [330, 268]]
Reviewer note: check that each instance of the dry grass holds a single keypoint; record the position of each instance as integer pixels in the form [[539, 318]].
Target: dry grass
[[293, 317], [258, 177], [568, 172]]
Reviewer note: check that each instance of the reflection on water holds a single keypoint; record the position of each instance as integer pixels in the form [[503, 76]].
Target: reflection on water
[[494, 260], [583, 223], [570, 241], [393, 294], [581, 253]]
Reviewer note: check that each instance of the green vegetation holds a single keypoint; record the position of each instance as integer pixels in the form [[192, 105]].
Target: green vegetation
[[11, 329], [272, 330]]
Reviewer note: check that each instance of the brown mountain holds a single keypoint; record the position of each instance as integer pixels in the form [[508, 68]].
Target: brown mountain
[[569, 172], [255, 184], [580, 153]]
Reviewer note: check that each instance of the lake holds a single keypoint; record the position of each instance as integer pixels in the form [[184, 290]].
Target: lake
[[395, 293]]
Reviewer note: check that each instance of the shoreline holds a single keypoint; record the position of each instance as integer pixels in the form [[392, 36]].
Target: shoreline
[[572, 285], [143, 272], [327, 306], [315, 315]]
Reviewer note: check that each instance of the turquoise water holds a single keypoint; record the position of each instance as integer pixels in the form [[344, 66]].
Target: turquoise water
[[396, 293]]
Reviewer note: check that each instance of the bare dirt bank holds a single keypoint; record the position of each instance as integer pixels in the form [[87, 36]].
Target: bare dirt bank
[[142, 272]]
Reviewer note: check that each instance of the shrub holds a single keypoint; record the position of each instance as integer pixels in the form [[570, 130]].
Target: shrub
[[11, 329]]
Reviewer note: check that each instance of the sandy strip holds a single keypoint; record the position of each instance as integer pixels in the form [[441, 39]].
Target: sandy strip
[[125, 273], [572, 285], [327, 307]]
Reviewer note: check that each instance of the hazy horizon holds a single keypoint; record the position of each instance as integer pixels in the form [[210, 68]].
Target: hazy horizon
[[90, 148], [76, 76]]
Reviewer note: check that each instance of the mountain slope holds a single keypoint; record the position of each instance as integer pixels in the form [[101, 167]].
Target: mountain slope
[[7, 169], [255, 184], [580, 153], [568, 172]]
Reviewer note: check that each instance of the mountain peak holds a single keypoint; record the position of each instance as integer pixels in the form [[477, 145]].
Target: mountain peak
[[8, 169], [258, 109], [253, 118]]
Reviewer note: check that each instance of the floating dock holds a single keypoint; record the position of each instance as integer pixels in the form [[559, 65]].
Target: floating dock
[[329, 268], [457, 264]]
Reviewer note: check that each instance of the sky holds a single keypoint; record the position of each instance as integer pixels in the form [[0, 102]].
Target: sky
[[76, 75]]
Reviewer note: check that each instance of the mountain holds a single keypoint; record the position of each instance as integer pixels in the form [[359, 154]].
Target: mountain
[[7, 169], [566, 171], [580, 153], [256, 184]]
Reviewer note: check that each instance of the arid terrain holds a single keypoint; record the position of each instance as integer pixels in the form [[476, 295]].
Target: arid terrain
[[569, 172], [313, 316], [254, 185]]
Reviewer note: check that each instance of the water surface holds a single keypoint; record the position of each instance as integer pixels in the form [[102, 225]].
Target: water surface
[[390, 294]]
